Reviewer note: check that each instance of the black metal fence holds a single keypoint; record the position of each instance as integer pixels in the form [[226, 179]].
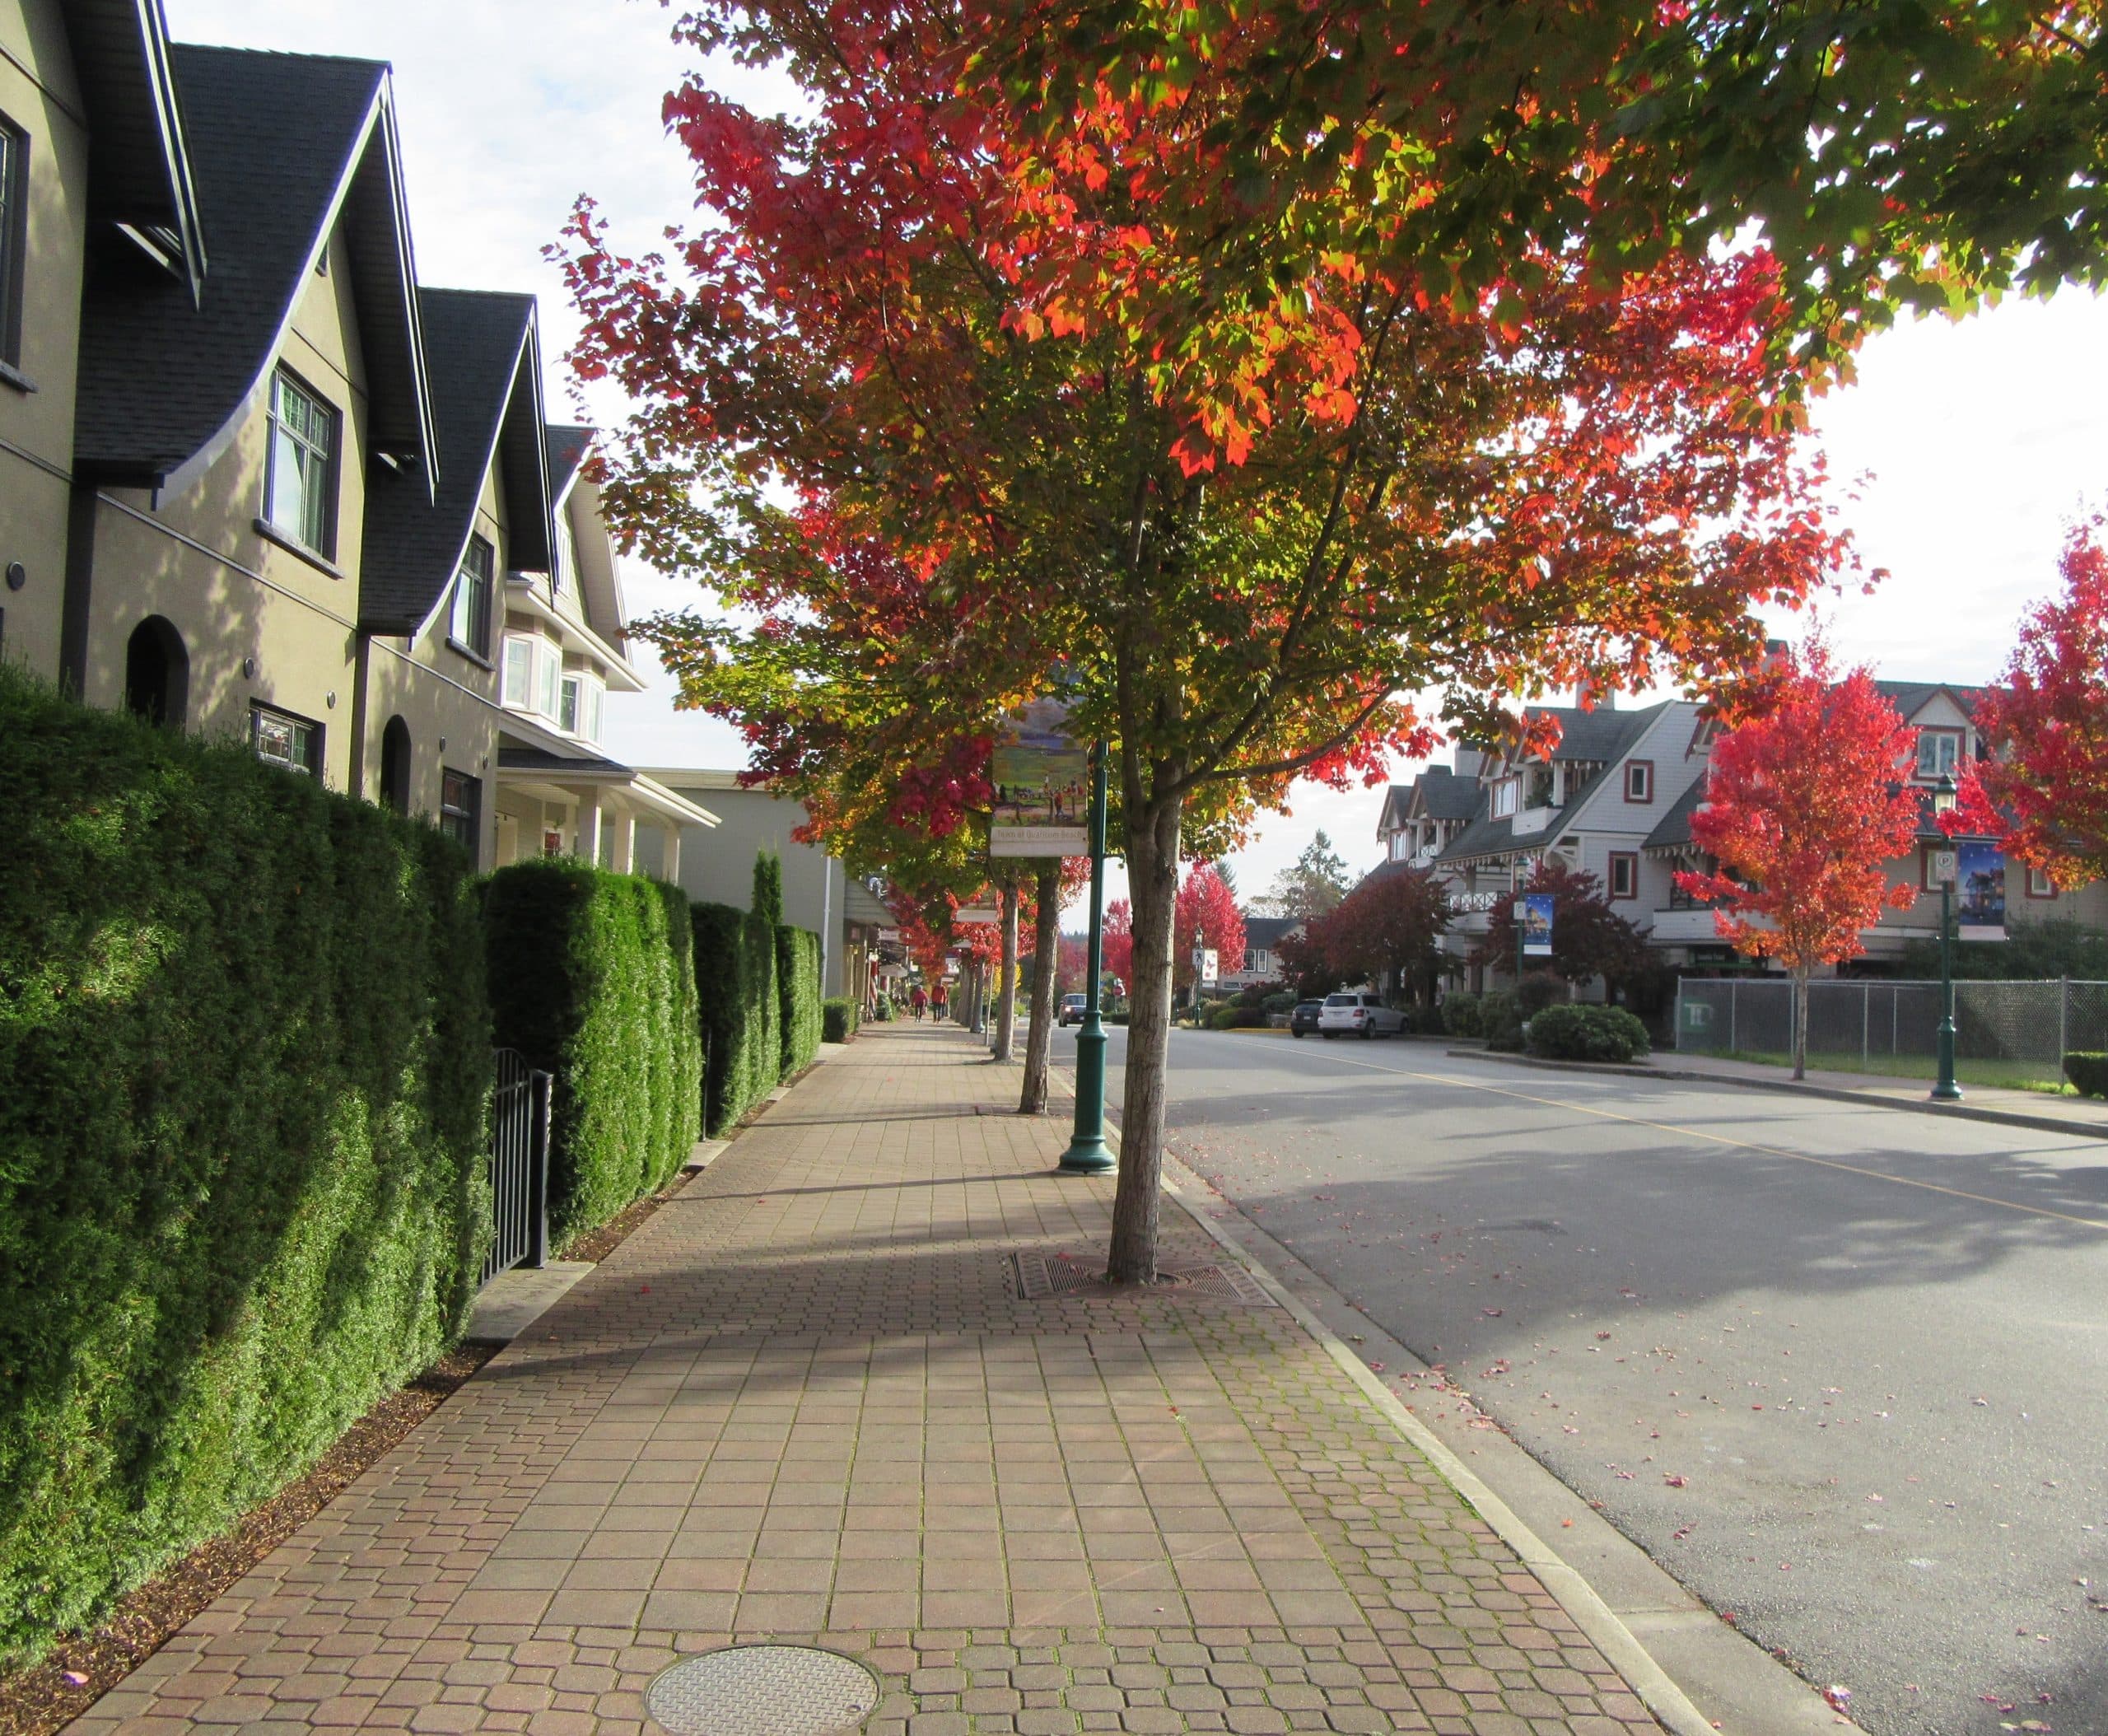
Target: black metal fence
[[520, 1166]]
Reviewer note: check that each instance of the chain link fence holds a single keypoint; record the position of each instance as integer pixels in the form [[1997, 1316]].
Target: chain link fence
[[1866, 1019]]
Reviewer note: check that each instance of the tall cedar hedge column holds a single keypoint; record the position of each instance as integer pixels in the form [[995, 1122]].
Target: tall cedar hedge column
[[592, 978], [245, 1067]]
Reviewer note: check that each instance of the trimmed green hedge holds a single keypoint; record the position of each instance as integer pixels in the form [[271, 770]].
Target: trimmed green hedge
[[245, 1064], [736, 981], [592, 977], [1578, 1033], [798, 987], [2087, 1070], [838, 1019]]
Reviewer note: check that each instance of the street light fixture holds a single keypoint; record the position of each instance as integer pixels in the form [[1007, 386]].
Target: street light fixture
[[1944, 1088]]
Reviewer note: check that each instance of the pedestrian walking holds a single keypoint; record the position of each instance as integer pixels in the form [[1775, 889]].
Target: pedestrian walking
[[920, 1001], [938, 1001]]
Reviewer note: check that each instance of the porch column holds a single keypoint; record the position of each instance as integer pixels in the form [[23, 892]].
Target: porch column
[[589, 820], [669, 853], [623, 826]]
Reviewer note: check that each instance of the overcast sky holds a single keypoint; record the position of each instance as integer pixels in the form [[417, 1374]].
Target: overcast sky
[[1980, 440]]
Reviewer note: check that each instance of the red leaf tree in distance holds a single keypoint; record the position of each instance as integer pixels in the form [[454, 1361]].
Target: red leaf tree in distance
[[2041, 787], [1384, 931], [1807, 800], [1207, 919], [1588, 937]]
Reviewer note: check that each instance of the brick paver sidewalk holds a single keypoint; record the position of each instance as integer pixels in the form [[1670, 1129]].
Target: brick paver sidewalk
[[813, 1399]]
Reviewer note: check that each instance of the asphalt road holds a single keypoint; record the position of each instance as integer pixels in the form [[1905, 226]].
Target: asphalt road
[[1842, 1371]]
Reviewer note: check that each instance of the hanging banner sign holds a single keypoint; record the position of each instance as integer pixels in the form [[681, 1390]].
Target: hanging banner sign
[[1537, 925], [975, 914], [1979, 890], [1042, 785], [1206, 966]]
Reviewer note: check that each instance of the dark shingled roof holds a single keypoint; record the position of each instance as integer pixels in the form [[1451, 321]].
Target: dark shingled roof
[[138, 159], [1673, 829], [1445, 796], [1600, 736], [273, 138], [567, 447], [487, 403], [541, 759], [1265, 931]]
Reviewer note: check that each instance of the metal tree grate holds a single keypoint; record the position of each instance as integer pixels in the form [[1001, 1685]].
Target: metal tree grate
[[1039, 1277], [763, 1690]]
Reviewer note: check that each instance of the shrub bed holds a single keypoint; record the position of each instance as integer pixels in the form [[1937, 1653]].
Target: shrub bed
[[245, 1065], [1573, 1032], [2087, 1071], [735, 984], [798, 987], [838, 1019], [592, 977]]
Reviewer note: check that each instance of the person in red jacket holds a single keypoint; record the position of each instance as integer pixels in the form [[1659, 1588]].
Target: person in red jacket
[[920, 1001]]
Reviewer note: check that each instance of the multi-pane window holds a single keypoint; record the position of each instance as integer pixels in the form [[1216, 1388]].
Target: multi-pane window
[[1937, 752], [471, 624], [581, 712], [2039, 885], [14, 237], [1504, 796], [563, 568], [461, 808], [1625, 874], [533, 675], [1639, 779], [283, 739], [299, 482]]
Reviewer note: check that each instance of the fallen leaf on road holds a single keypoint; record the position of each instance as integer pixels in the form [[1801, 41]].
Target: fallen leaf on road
[[1677, 1481], [1491, 1313], [1839, 1698]]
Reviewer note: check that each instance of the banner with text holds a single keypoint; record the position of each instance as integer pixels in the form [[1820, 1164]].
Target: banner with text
[[1042, 785]]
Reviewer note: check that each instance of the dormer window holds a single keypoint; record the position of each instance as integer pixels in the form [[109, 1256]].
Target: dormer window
[[1505, 794], [1939, 752], [301, 466]]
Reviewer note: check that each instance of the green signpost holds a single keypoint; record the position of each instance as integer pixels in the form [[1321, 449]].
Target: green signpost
[[1088, 1154]]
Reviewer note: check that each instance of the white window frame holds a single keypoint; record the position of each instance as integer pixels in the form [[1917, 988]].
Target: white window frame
[[266, 721], [1931, 738], [1639, 781], [532, 680], [2039, 885], [316, 507], [563, 561], [1506, 797]]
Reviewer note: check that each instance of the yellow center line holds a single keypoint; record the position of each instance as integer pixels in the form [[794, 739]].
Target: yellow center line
[[1722, 1139]]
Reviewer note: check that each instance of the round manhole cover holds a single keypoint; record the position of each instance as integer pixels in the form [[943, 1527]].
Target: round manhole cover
[[764, 1691]]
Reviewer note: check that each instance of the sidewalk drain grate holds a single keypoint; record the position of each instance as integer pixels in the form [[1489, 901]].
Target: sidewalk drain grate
[[1040, 1277], [763, 1690]]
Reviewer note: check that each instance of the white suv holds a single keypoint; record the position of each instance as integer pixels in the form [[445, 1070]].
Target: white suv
[[1357, 1015]]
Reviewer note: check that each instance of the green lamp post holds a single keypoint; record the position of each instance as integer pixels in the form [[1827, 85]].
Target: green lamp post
[[1944, 1088], [1088, 1154]]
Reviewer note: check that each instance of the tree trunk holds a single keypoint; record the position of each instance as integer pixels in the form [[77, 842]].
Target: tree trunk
[[1006, 994], [1800, 1025], [1039, 1034], [1153, 889]]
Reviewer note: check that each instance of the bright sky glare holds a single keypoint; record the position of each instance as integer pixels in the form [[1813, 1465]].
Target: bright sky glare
[[1979, 440]]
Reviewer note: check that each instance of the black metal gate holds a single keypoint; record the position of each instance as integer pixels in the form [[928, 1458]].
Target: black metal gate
[[520, 1166]]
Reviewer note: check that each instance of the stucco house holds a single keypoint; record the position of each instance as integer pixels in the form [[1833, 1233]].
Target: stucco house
[[277, 489]]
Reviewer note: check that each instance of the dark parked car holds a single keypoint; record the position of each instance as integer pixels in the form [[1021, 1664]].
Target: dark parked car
[[1302, 1017]]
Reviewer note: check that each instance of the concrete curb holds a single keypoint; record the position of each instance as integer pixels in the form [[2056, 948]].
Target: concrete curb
[[1837, 1093], [1596, 1619]]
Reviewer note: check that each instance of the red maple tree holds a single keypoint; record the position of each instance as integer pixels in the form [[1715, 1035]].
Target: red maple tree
[[1251, 527], [1383, 931], [1588, 937], [1116, 946], [2041, 787], [1807, 801], [1207, 919]]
